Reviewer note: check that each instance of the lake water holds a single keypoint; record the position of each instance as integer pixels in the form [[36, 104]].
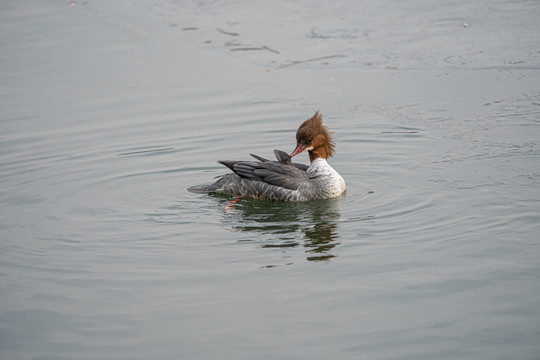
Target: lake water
[[111, 110]]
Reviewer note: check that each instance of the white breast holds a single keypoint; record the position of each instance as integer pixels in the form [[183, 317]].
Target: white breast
[[326, 181]]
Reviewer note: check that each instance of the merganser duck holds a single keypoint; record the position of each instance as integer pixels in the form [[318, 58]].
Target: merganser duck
[[283, 180]]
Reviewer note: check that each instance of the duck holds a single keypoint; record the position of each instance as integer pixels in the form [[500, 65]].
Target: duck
[[282, 179]]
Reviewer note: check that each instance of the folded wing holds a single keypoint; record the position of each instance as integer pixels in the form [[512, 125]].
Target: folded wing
[[282, 173]]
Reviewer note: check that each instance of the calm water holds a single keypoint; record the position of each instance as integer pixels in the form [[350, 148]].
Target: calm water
[[110, 111]]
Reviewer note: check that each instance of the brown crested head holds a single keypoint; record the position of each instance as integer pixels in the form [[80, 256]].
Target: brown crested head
[[314, 137]]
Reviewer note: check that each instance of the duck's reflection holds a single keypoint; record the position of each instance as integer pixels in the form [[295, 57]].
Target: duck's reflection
[[286, 225]]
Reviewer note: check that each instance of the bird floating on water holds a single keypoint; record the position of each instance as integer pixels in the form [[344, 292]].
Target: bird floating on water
[[283, 180]]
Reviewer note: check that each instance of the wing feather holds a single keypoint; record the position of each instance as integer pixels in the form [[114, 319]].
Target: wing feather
[[282, 173]]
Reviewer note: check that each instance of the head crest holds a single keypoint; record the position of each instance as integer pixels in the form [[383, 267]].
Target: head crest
[[312, 128]]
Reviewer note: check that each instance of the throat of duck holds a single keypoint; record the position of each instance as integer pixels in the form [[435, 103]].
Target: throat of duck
[[312, 155], [320, 152]]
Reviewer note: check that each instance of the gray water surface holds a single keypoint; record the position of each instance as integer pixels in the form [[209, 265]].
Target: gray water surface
[[111, 110]]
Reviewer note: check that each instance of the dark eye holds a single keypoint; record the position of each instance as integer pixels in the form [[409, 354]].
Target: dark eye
[[309, 141]]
